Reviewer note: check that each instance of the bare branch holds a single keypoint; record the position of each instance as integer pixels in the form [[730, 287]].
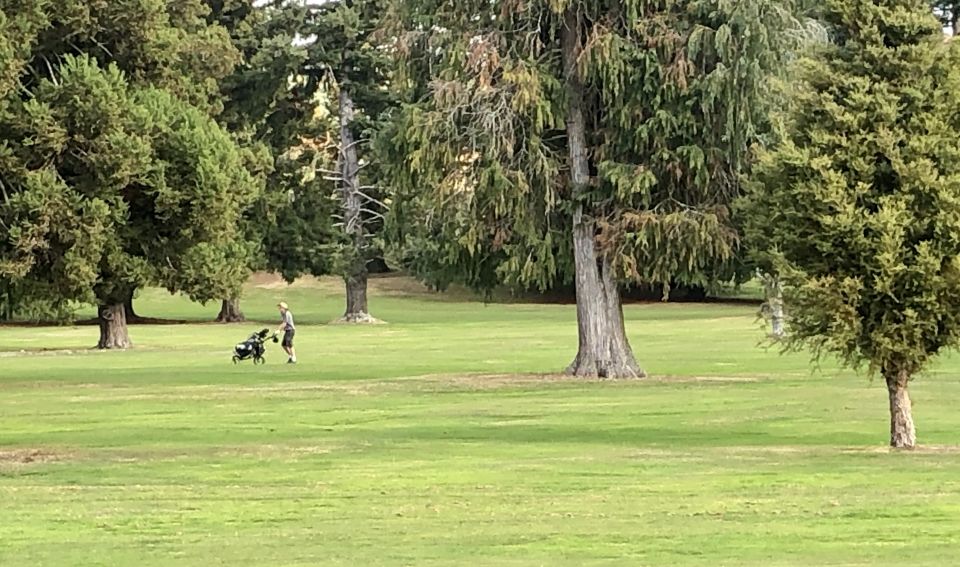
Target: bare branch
[[374, 214], [372, 200], [53, 76], [343, 149]]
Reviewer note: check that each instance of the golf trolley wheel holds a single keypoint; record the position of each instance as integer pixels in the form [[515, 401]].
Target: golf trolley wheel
[[235, 359], [260, 360]]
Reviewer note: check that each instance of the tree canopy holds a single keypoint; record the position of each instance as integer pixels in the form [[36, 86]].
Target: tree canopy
[[336, 212], [114, 174], [859, 203], [622, 125]]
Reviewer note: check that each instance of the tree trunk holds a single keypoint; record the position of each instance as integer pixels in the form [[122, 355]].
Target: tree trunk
[[903, 435], [773, 290], [113, 327], [353, 221], [129, 313], [603, 347], [6, 304], [230, 312], [357, 299]]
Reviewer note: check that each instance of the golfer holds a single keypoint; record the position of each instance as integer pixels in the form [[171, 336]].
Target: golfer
[[289, 329]]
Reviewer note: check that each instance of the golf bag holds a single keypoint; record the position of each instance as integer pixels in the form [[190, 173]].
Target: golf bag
[[253, 348]]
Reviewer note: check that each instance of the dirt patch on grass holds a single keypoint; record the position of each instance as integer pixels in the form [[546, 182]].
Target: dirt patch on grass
[[146, 321], [29, 456], [203, 393], [41, 351], [53, 351], [495, 381], [919, 450], [720, 379], [396, 285]]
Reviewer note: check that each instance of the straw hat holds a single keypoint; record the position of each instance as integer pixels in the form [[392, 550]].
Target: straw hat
[[282, 305]]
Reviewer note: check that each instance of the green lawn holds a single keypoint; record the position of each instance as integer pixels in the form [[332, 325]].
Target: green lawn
[[439, 439]]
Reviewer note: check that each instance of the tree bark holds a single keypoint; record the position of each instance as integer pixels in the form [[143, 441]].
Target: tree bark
[[603, 347], [774, 291], [903, 434], [6, 304], [113, 327], [353, 222], [357, 311], [230, 312]]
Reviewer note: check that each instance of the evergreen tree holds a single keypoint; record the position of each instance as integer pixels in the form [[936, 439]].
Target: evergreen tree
[[337, 204], [859, 204], [114, 176], [619, 127], [260, 107]]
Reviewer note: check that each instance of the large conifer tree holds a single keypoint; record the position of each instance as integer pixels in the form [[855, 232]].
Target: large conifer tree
[[261, 109], [114, 175], [579, 140], [861, 201], [335, 217]]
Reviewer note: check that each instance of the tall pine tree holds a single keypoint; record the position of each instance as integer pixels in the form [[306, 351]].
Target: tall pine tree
[[344, 82], [860, 204], [587, 141], [260, 106]]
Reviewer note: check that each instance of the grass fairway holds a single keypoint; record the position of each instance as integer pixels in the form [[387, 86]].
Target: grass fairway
[[438, 439]]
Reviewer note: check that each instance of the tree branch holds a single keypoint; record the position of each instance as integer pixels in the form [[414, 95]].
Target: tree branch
[[382, 205], [374, 214]]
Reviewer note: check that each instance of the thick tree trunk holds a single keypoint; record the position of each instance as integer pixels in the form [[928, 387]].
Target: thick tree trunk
[[230, 312], [357, 311], [603, 347], [353, 221], [113, 327], [903, 435]]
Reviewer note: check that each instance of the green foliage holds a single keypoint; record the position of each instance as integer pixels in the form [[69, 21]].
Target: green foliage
[[164, 44], [258, 97], [112, 187], [344, 54], [676, 96], [17, 304], [260, 106], [859, 204], [302, 238], [114, 176]]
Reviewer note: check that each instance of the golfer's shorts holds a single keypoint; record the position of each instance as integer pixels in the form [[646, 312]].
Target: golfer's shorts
[[288, 338]]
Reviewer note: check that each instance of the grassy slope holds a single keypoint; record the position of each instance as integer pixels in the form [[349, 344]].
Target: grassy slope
[[410, 444]]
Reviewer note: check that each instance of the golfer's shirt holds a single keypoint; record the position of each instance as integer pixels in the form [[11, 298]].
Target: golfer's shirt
[[288, 321]]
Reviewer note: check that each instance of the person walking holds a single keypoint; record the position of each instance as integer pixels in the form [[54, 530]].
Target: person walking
[[289, 329]]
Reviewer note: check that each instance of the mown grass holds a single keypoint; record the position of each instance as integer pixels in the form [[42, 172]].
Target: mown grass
[[441, 438]]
